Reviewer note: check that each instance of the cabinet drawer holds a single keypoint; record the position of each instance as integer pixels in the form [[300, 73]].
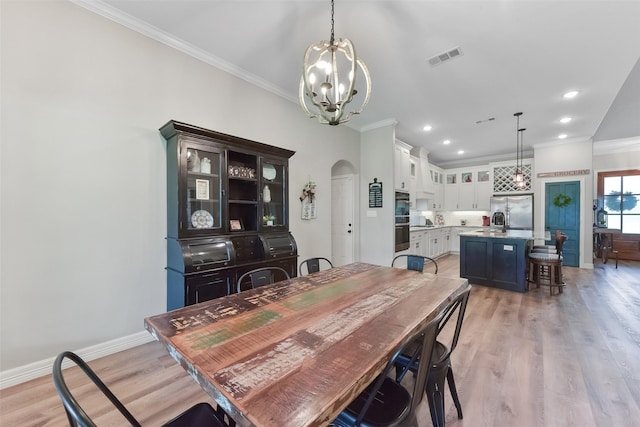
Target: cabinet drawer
[[206, 287]]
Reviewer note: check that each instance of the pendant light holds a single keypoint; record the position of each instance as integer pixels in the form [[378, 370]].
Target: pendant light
[[328, 80], [518, 176], [521, 182]]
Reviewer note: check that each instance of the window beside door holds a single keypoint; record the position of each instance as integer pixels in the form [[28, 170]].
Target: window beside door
[[619, 195]]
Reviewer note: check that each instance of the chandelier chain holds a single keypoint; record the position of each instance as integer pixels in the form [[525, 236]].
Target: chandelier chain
[[332, 22]]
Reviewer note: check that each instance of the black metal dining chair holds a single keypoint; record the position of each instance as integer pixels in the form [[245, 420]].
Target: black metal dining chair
[[199, 415], [386, 402], [262, 276], [416, 262], [312, 265], [440, 362]]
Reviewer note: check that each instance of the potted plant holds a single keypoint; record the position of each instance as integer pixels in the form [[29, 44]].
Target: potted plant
[[268, 219]]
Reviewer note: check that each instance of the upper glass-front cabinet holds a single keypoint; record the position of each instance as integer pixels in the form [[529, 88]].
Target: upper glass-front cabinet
[[273, 191], [201, 192], [243, 191], [221, 184]]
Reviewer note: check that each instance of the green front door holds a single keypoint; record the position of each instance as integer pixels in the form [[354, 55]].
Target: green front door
[[562, 212]]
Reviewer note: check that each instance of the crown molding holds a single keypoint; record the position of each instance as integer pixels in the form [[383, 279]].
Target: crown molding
[[144, 28]]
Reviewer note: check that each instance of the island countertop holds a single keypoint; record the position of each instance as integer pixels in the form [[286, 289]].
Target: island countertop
[[497, 259], [510, 234]]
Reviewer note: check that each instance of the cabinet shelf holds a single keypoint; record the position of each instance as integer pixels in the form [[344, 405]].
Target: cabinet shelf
[[203, 174], [244, 202]]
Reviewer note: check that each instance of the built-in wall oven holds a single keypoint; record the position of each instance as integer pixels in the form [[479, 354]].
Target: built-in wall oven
[[402, 207]]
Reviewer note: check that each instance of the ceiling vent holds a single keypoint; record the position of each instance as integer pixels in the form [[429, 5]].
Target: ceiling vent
[[445, 56]]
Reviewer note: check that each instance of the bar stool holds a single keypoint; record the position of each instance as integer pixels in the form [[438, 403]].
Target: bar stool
[[547, 267], [548, 249]]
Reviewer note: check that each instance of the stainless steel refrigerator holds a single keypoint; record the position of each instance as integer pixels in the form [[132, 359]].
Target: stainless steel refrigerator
[[518, 210]]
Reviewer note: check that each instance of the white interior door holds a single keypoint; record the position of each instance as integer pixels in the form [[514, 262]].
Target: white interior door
[[342, 226]]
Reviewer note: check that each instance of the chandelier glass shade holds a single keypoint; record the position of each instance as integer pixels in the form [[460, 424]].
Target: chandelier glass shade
[[328, 81]]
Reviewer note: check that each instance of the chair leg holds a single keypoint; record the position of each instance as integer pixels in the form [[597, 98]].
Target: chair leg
[[436, 407], [560, 279], [435, 396], [454, 392]]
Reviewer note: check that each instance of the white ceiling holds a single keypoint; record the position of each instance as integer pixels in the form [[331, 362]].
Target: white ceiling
[[517, 56]]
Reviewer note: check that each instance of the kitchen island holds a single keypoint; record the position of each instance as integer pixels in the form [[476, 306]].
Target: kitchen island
[[497, 259]]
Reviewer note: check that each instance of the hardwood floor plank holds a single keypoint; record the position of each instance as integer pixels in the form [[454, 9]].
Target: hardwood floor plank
[[523, 359]]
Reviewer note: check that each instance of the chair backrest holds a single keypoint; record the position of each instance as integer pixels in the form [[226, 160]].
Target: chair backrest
[[416, 262], [313, 265], [262, 276], [457, 306], [560, 243], [426, 339], [75, 413]]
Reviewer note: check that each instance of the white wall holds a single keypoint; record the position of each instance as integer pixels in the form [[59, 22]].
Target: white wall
[[558, 157], [624, 155], [377, 233], [83, 206]]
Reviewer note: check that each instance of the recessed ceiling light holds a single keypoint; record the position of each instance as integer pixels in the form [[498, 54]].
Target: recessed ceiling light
[[460, 151], [427, 128], [446, 142], [565, 120], [562, 136], [571, 94]]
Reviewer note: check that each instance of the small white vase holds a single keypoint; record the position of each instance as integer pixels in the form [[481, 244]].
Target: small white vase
[[266, 194]]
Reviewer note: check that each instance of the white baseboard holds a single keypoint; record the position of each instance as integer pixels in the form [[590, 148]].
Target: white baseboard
[[41, 368]]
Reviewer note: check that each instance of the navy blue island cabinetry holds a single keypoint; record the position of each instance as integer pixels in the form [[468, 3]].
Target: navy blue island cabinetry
[[496, 259]]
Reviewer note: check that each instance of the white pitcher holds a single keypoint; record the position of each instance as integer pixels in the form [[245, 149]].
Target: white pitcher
[[266, 194]]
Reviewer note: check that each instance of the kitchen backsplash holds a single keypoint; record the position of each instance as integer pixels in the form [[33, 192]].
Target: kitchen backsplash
[[471, 218]]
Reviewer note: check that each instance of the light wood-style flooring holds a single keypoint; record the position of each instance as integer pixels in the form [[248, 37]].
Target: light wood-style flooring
[[523, 360]]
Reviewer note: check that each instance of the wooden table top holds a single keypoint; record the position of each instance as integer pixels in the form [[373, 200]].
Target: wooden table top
[[606, 230], [296, 352]]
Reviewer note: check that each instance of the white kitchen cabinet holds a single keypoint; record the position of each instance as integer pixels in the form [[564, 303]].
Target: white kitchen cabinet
[[451, 190], [474, 189], [454, 245], [468, 189], [402, 166], [484, 189], [413, 180], [446, 240], [417, 242], [436, 242], [436, 178], [424, 177]]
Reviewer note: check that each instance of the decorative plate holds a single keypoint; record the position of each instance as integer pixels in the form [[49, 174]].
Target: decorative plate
[[268, 171], [202, 219]]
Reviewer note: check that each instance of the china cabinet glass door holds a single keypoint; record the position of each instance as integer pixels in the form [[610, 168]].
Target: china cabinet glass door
[[273, 194], [243, 191], [202, 193]]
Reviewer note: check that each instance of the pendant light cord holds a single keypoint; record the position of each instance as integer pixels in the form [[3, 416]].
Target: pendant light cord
[[517, 141]]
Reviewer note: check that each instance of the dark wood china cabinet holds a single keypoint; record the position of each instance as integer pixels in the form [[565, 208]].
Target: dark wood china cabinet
[[227, 212]]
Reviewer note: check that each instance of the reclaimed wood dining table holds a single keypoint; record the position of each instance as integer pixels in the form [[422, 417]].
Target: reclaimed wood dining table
[[297, 352]]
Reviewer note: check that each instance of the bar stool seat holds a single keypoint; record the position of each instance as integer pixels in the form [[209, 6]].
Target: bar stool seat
[[546, 268]]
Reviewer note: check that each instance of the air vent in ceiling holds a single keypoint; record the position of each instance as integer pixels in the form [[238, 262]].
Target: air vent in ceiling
[[445, 56]]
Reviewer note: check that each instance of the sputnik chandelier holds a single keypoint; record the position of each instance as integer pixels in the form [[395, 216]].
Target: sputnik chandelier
[[328, 81]]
